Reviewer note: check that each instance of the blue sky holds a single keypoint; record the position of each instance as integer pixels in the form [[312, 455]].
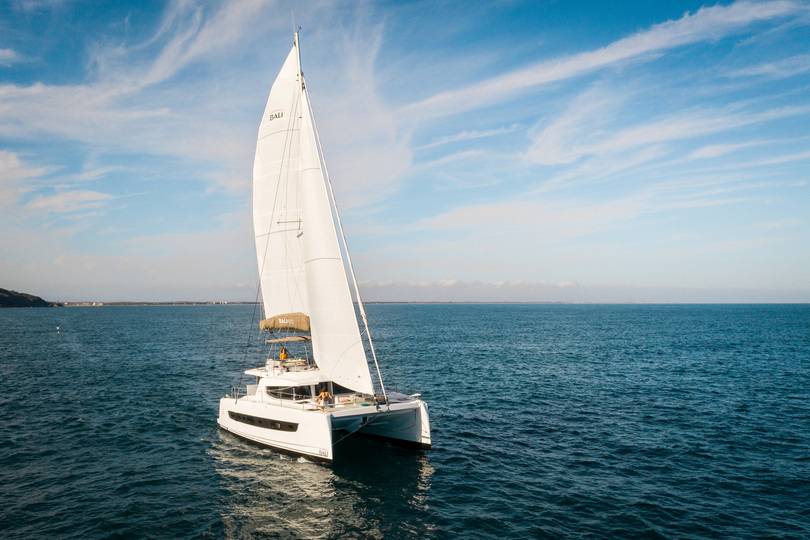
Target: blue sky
[[490, 151]]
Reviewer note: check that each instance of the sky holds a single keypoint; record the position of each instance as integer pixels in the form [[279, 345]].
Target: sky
[[501, 151]]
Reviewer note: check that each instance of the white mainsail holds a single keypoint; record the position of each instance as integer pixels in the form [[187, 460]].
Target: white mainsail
[[301, 268], [277, 197]]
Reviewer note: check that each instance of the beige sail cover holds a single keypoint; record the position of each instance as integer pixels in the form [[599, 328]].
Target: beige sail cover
[[286, 321]]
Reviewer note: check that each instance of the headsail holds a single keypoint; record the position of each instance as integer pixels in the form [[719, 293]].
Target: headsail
[[337, 345], [300, 263]]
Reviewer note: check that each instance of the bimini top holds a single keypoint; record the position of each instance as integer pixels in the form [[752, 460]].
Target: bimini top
[[290, 378], [286, 321]]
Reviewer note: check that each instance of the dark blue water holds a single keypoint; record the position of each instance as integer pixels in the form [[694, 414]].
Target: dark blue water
[[549, 421]]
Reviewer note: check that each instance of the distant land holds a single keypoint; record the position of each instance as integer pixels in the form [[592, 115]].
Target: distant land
[[173, 303], [11, 299]]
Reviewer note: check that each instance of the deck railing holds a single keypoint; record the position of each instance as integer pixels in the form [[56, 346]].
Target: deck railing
[[237, 392], [287, 400]]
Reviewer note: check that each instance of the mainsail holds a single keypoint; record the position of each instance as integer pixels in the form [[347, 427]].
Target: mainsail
[[277, 197], [301, 271]]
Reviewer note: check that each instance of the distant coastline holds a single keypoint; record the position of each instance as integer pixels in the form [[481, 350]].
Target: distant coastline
[[10, 298], [14, 299], [175, 303]]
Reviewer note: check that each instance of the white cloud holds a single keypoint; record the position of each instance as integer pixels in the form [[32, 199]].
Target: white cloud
[[717, 150], [67, 202], [787, 158], [8, 57], [125, 109], [184, 36], [95, 174], [532, 223], [15, 179], [777, 70], [708, 23], [364, 145], [584, 130], [469, 135], [779, 224], [13, 169]]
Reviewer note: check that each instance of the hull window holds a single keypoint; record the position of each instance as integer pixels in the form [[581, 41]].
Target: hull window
[[266, 423]]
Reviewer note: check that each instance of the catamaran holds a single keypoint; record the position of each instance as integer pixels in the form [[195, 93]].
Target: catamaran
[[315, 387]]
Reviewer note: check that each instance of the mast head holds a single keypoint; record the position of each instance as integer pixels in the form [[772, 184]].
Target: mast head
[[297, 48]]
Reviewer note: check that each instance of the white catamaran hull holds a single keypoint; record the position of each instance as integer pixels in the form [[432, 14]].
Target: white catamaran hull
[[293, 431], [312, 433]]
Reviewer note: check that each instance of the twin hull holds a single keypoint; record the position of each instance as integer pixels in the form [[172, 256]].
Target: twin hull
[[312, 432]]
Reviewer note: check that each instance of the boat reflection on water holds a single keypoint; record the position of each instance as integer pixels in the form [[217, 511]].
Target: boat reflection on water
[[378, 491]]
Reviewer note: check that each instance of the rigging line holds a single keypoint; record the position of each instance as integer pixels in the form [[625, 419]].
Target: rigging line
[[250, 333], [308, 104]]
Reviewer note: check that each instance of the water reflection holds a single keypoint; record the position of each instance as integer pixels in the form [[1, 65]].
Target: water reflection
[[374, 490]]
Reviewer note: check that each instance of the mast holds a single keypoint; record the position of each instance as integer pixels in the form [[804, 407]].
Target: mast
[[298, 52]]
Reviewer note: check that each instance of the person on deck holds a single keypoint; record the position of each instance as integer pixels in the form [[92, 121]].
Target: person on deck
[[282, 354], [322, 397]]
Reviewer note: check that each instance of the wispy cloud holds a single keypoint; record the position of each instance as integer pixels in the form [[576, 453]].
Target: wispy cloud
[[783, 68], [786, 158], [353, 116], [708, 23], [116, 111], [13, 169], [8, 57], [776, 225], [469, 135], [186, 34], [15, 179], [577, 133], [718, 150], [67, 202], [536, 222]]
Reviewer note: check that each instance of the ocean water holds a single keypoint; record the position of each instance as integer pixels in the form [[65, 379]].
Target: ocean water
[[548, 421]]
